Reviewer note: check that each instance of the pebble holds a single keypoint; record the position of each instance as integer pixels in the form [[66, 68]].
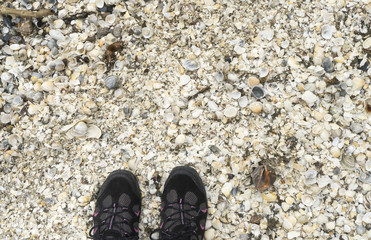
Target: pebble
[[253, 81], [230, 112], [327, 65], [180, 139], [309, 98], [5, 118], [257, 92], [367, 218]]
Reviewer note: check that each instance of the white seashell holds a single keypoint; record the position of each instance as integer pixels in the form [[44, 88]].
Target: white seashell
[[368, 165], [367, 43], [307, 200], [79, 130], [289, 222], [59, 65], [232, 77], [191, 65], [326, 31], [93, 132], [323, 181], [147, 32], [89, 46], [365, 177], [58, 23], [99, 3], [14, 140], [230, 112], [184, 79], [110, 19], [212, 106], [47, 86], [15, 47], [263, 72], [242, 102], [57, 35], [310, 177], [219, 76], [82, 129], [367, 218], [236, 94]]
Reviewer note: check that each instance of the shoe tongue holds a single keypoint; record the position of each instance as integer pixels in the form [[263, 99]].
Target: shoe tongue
[[111, 234]]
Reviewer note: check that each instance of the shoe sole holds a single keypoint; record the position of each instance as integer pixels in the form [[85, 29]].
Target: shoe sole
[[129, 176]]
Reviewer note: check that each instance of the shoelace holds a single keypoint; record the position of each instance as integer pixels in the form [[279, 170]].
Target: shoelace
[[109, 222], [185, 219]]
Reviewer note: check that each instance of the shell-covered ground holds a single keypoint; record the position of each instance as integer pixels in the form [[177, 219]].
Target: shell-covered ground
[[222, 86]]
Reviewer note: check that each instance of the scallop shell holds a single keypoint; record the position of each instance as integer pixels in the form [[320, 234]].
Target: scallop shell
[[326, 31], [348, 162], [82, 129], [307, 200]]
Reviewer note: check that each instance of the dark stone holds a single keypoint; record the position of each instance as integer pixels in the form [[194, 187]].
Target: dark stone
[[327, 65]]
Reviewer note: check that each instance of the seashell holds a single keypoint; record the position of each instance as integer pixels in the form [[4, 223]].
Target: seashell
[[310, 177], [137, 31], [257, 92], [184, 79], [14, 140], [368, 166], [263, 72], [326, 31], [263, 177], [236, 94], [89, 46], [111, 82], [100, 68], [348, 162], [243, 102], [47, 86], [307, 200], [7, 77], [99, 3], [269, 196], [82, 129], [110, 19], [230, 112], [59, 65], [256, 107], [147, 32], [253, 81], [118, 65], [219, 76], [58, 23], [367, 218], [367, 43], [191, 65], [365, 177]]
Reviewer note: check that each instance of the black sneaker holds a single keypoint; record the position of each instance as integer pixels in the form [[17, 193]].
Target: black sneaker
[[183, 207], [117, 209]]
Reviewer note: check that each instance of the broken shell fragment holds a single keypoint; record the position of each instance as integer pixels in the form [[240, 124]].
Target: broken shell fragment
[[307, 200], [82, 129], [263, 177]]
